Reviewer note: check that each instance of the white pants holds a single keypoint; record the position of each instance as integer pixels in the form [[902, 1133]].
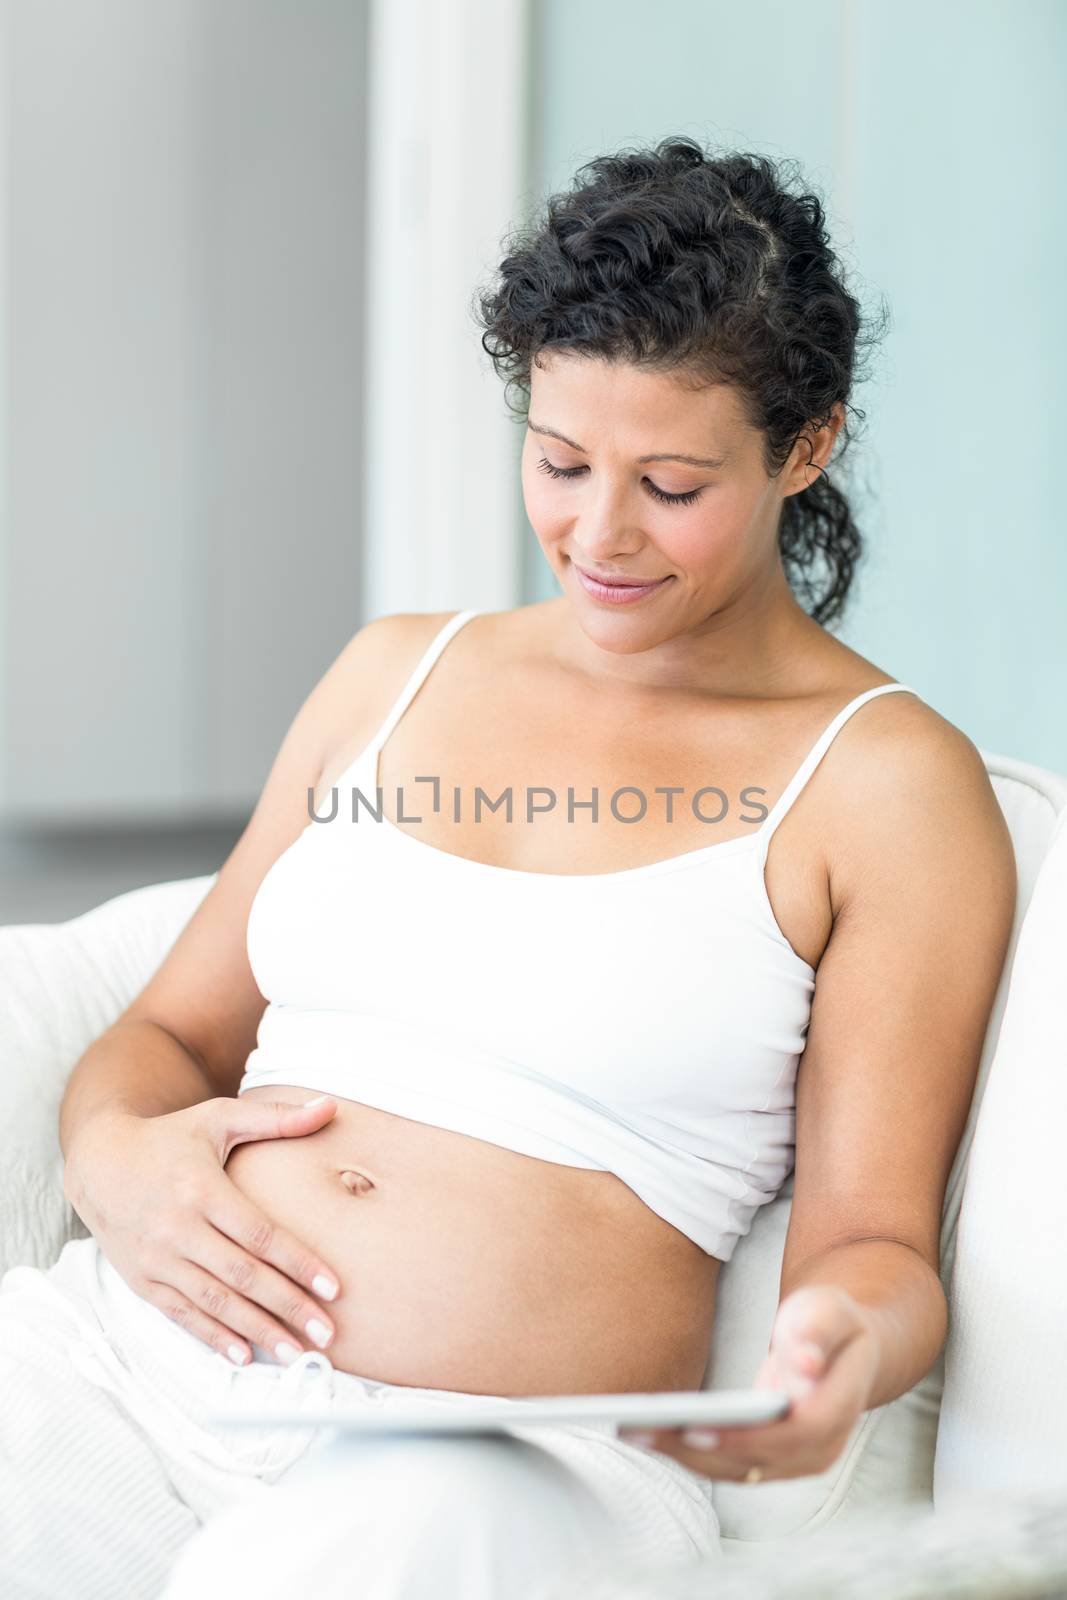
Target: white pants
[[113, 1482]]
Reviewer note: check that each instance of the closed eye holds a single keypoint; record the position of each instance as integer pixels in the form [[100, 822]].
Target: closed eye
[[660, 494]]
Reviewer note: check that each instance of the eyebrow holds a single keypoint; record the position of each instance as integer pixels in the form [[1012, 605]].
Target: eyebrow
[[712, 462]]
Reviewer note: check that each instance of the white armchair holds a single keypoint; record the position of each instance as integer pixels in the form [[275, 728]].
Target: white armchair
[[991, 1415]]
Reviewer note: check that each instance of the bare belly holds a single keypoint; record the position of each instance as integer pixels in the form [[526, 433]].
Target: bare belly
[[470, 1267]]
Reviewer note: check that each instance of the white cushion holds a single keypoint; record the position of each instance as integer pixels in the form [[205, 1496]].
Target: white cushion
[[1004, 1411], [61, 985]]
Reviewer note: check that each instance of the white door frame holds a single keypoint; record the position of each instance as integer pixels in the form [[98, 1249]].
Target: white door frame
[[446, 178]]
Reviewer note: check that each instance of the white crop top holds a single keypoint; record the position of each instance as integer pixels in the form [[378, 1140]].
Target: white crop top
[[443, 990]]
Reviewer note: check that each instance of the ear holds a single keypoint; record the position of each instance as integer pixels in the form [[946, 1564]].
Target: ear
[[812, 451]]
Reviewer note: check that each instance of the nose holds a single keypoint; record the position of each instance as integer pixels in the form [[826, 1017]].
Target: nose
[[606, 550]]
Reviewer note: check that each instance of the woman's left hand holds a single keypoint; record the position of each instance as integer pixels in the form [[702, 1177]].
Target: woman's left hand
[[824, 1353]]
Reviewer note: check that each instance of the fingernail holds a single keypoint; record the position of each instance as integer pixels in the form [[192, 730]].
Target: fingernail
[[319, 1098], [800, 1385], [318, 1331], [700, 1438], [287, 1353], [639, 1437], [325, 1288], [237, 1355]]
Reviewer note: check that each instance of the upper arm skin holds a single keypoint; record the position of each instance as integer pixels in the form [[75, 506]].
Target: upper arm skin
[[923, 886], [204, 992]]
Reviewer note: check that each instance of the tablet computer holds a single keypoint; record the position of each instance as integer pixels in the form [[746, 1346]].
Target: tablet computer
[[725, 1408]]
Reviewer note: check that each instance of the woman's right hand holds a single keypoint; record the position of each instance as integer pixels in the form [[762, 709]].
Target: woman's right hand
[[154, 1193]]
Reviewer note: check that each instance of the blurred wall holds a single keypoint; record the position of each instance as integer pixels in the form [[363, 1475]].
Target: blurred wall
[[937, 136], [182, 219]]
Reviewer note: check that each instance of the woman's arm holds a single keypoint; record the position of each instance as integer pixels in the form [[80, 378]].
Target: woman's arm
[[923, 889], [923, 886], [134, 1067]]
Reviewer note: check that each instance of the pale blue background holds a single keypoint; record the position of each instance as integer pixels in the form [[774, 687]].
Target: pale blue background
[[937, 137]]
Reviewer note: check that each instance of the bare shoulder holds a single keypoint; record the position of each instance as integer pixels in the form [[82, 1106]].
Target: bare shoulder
[[914, 797], [369, 673], [391, 638], [899, 743], [393, 643]]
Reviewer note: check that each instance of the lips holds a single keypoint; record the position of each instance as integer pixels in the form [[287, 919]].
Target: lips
[[619, 592], [618, 582]]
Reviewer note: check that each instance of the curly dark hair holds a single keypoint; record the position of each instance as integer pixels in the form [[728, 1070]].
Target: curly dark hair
[[712, 268]]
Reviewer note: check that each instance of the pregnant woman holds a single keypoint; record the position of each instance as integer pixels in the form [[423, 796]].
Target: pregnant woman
[[548, 903]]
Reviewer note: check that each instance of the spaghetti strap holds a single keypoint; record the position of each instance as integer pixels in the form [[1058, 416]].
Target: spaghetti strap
[[418, 674], [814, 756]]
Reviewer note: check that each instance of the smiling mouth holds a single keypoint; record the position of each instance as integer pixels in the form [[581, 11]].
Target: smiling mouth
[[618, 582]]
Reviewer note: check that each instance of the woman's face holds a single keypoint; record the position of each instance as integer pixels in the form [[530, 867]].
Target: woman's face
[[713, 543]]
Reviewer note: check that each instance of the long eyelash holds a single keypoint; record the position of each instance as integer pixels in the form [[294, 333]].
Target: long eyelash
[[668, 499]]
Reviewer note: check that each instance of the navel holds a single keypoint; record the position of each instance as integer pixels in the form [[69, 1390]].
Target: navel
[[355, 1181]]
